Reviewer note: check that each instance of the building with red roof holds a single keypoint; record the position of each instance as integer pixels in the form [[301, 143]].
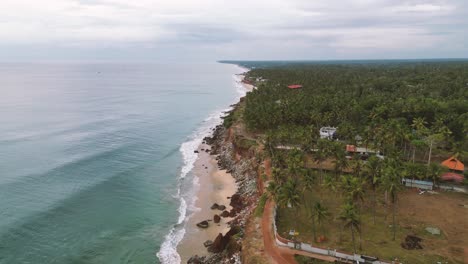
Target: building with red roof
[[456, 167], [453, 164], [294, 86]]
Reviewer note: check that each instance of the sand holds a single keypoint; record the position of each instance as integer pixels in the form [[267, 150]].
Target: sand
[[215, 186]]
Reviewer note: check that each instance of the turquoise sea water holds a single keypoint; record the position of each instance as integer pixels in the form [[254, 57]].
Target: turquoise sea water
[[91, 158]]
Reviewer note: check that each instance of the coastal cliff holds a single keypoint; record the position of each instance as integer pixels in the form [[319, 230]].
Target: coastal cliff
[[239, 156]]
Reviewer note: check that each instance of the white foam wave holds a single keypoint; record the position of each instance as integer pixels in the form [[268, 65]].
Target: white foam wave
[[168, 251]]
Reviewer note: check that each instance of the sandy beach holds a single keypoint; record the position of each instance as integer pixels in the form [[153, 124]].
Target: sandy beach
[[215, 186]]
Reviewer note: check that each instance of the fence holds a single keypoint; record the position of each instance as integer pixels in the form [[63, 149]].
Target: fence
[[355, 258]]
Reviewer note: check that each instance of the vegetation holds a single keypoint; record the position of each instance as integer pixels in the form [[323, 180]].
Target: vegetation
[[261, 205], [415, 114], [306, 260], [408, 108]]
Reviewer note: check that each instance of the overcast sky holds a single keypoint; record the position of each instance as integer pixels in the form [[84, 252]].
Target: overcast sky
[[160, 30]]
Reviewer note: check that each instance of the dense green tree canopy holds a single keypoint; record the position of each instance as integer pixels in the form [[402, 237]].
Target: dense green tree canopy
[[378, 102]]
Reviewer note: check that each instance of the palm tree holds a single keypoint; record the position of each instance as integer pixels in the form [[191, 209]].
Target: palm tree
[[277, 175], [341, 162], [321, 213], [312, 216], [289, 194], [321, 155], [273, 190], [420, 125], [308, 181], [373, 169], [354, 190], [392, 185], [350, 219], [434, 171], [295, 161], [308, 137], [439, 132], [330, 183]]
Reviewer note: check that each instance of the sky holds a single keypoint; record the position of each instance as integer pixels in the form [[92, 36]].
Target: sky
[[207, 30]]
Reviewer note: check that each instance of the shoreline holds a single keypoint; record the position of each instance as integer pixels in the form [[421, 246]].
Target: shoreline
[[214, 185]]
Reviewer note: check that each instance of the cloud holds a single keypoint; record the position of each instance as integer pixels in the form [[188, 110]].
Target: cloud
[[288, 28]]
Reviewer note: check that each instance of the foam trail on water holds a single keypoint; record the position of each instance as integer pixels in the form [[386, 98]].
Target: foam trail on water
[[168, 251]]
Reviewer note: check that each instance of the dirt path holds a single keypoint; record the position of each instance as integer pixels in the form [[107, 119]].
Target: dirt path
[[271, 249], [278, 254]]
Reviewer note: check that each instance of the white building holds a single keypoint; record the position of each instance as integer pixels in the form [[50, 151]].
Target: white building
[[327, 132]]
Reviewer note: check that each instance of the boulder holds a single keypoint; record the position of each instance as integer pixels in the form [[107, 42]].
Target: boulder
[[221, 207], [412, 242], [236, 202], [216, 218], [196, 260], [203, 224], [225, 214], [221, 242], [195, 151], [208, 243], [233, 247], [232, 213], [217, 245], [214, 206]]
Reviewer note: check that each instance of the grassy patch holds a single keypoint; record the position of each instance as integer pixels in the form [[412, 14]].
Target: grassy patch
[[245, 143], [234, 115], [377, 239], [228, 120], [261, 205]]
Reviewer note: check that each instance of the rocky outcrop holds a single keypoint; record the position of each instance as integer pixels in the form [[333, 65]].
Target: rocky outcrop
[[196, 260], [412, 242], [236, 203], [203, 224], [243, 167], [216, 206], [217, 245], [225, 214], [221, 242], [208, 243], [216, 218]]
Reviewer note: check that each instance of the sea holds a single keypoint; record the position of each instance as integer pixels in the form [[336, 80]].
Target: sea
[[96, 158]]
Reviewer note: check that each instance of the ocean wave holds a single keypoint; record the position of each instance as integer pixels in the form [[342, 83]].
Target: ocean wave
[[168, 252]]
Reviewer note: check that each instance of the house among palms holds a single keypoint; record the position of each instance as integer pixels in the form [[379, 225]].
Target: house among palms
[[456, 169], [327, 132]]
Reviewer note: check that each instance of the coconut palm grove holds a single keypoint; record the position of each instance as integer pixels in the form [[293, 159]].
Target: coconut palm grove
[[376, 184]]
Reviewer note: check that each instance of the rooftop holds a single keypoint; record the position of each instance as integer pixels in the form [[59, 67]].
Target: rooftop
[[294, 86]]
